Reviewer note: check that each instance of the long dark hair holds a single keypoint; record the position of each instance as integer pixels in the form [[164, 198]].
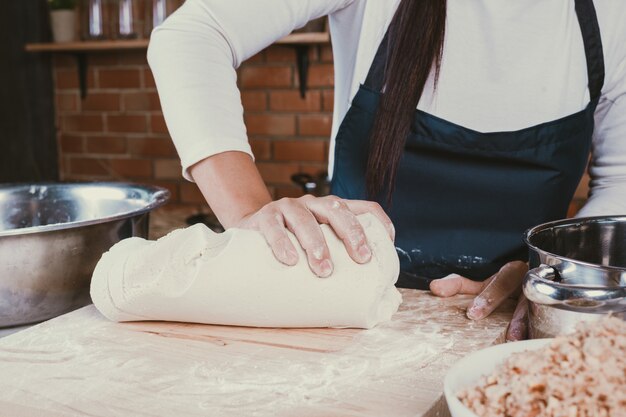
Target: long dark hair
[[416, 35]]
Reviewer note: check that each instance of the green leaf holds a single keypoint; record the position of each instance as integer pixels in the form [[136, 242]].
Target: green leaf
[[62, 4]]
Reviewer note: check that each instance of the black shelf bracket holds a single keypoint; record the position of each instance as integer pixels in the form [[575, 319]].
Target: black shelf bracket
[[302, 64], [81, 62]]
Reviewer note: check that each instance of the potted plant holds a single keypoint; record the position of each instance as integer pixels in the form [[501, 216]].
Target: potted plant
[[63, 20]]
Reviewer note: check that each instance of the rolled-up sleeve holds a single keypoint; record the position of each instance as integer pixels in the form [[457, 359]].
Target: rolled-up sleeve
[[194, 55]]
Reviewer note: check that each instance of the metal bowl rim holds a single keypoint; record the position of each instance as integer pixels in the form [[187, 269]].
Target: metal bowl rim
[[160, 195], [571, 222]]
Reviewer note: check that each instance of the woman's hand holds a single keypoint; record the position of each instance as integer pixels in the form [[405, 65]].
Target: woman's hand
[[507, 282], [235, 191], [303, 216]]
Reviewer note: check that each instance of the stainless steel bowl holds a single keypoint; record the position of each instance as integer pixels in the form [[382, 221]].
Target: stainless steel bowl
[[578, 273], [52, 236]]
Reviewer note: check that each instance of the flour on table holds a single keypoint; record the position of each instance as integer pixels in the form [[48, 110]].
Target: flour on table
[[232, 278]]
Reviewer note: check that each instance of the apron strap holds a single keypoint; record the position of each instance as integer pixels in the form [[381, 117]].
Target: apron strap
[[592, 41], [376, 74]]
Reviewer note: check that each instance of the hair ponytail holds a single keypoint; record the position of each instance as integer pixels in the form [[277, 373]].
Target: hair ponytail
[[416, 35]]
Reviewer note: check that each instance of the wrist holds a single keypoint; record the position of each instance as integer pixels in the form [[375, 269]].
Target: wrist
[[231, 185]]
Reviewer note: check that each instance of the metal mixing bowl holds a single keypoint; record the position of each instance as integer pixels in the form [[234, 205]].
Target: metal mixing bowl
[[578, 273], [52, 236]]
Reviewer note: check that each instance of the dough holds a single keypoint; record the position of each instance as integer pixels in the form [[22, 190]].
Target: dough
[[232, 278]]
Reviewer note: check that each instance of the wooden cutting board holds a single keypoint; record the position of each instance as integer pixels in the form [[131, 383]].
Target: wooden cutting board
[[80, 364]]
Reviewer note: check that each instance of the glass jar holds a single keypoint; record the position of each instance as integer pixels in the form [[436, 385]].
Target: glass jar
[[94, 20], [124, 18], [156, 11]]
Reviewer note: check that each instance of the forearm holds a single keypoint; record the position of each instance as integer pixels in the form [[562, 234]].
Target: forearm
[[193, 56], [232, 185]]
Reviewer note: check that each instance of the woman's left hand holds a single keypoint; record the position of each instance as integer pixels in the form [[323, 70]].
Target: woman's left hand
[[505, 283]]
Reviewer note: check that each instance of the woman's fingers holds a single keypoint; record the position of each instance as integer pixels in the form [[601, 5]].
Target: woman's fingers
[[362, 207], [303, 224], [302, 216], [490, 293], [454, 284], [272, 225], [335, 212], [505, 283], [518, 328]]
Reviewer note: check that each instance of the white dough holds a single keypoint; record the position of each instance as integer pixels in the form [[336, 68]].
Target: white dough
[[232, 278]]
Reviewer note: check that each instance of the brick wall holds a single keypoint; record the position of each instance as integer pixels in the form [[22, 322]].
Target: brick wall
[[118, 132]]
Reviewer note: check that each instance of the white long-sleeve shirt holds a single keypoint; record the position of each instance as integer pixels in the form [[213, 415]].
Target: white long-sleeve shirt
[[506, 65]]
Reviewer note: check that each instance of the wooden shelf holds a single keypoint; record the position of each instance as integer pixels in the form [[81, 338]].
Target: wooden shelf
[[305, 38], [126, 44], [86, 46], [300, 41]]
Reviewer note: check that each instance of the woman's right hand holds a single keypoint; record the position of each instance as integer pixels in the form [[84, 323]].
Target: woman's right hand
[[303, 216]]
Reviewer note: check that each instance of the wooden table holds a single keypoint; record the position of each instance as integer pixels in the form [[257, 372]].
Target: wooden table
[[80, 364]]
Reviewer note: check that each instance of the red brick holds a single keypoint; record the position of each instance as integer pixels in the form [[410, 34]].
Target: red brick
[[148, 79], [106, 144], [299, 150], [291, 101], [278, 53], [261, 149], [328, 100], [315, 124], [157, 124], [63, 61], [314, 169], [314, 53], [101, 101], [167, 169], [105, 59], [131, 168], [271, 124], [260, 57], [141, 101], [133, 57], [63, 167], [82, 123], [151, 146], [274, 76], [277, 172], [287, 191], [68, 79], [326, 54], [71, 143], [67, 102], [127, 123], [119, 78], [254, 100], [321, 75], [87, 166], [189, 193], [287, 54]]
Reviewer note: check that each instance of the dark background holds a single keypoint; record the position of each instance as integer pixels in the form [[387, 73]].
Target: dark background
[[28, 150]]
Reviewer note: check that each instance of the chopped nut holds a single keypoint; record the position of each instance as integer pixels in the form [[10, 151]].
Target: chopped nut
[[579, 375]]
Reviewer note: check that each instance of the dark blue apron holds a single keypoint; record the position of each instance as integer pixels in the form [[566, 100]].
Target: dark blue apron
[[463, 198]]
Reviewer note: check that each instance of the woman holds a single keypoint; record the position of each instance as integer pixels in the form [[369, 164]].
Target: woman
[[484, 128]]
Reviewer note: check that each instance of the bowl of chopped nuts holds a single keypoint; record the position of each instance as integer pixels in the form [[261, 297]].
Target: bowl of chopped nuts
[[480, 365], [580, 374]]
